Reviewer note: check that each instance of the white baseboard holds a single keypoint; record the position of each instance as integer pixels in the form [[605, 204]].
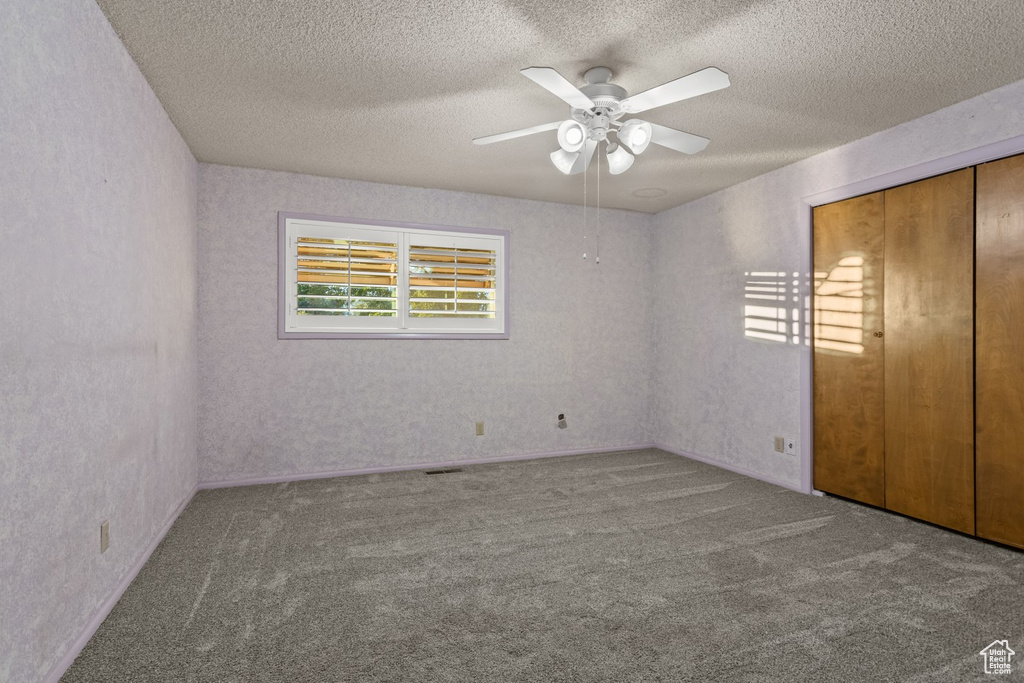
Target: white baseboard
[[101, 613], [283, 478], [731, 468]]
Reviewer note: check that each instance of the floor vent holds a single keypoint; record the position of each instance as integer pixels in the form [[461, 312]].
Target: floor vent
[[448, 470]]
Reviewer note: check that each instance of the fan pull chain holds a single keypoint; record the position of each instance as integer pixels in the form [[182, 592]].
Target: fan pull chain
[[584, 212], [597, 258]]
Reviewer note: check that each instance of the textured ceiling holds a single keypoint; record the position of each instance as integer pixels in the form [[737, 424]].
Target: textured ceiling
[[394, 91]]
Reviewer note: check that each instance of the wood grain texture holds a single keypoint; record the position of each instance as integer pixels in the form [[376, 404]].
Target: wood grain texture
[[1000, 359], [929, 379], [848, 360]]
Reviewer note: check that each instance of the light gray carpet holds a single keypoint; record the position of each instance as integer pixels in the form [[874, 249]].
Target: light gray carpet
[[637, 566]]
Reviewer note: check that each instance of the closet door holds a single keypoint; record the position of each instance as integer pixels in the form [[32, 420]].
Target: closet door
[[929, 335], [848, 400], [1000, 351]]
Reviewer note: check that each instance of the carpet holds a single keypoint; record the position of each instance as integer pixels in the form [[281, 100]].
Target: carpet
[[633, 566]]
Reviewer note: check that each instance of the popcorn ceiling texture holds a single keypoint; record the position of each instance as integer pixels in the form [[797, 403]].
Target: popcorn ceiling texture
[[579, 345], [394, 91], [97, 323], [717, 393]]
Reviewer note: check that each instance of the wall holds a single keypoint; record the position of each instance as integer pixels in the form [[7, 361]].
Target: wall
[[579, 339], [97, 323], [717, 393]]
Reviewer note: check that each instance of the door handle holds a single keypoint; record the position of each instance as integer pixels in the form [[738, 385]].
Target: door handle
[[878, 334]]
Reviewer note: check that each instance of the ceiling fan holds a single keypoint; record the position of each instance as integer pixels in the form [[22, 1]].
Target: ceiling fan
[[597, 108]]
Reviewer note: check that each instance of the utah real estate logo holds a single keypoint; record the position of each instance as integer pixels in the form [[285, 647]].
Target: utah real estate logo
[[997, 656]]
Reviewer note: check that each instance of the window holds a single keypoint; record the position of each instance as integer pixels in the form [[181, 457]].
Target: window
[[350, 278]]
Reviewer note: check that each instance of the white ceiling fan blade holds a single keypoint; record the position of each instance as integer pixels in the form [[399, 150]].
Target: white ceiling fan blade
[[583, 161], [698, 83], [498, 137], [687, 143], [555, 83]]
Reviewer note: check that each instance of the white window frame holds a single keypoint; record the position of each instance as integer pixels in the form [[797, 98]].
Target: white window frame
[[402, 326]]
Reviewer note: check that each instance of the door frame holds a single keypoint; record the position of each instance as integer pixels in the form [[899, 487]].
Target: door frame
[[954, 162]]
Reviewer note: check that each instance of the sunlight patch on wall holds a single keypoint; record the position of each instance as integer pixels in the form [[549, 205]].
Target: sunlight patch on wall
[[771, 310], [839, 307]]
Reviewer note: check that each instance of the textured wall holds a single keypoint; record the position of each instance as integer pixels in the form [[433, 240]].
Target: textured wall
[[717, 393], [579, 339], [97, 323]]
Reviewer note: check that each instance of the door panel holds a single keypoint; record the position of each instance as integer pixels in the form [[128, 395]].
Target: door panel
[[848, 357], [1000, 360], [929, 387]]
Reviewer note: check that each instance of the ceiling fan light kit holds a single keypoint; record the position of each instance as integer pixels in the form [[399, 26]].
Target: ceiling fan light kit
[[597, 107], [619, 160], [571, 135], [564, 160], [636, 135]]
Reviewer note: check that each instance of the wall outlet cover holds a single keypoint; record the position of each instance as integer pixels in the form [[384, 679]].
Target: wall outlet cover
[[104, 536], [790, 447], [780, 444], [479, 428]]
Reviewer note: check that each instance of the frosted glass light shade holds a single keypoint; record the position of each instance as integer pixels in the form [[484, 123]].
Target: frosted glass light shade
[[563, 160], [571, 135], [619, 159], [636, 135]]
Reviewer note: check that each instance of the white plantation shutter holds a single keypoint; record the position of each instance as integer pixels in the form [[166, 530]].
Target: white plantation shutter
[[350, 279], [342, 277], [347, 277], [453, 282]]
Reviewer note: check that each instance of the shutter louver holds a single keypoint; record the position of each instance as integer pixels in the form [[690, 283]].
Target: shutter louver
[[451, 282], [342, 277]]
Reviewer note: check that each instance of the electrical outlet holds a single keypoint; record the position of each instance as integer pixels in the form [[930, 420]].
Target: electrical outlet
[[104, 536], [479, 428], [780, 444], [562, 424], [790, 446]]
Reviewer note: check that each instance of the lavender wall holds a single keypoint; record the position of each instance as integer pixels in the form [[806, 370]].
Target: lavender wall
[[579, 339], [97, 323], [717, 393]]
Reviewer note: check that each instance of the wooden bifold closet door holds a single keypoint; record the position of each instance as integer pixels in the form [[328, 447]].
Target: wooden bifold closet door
[[849, 412], [1000, 351], [929, 350], [893, 349]]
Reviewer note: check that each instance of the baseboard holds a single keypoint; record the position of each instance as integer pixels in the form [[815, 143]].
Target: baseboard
[[101, 613], [284, 478], [731, 468]]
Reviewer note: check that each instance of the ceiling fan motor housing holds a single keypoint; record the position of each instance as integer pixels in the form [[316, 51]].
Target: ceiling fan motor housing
[[600, 90], [607, 92], [606, 97]]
